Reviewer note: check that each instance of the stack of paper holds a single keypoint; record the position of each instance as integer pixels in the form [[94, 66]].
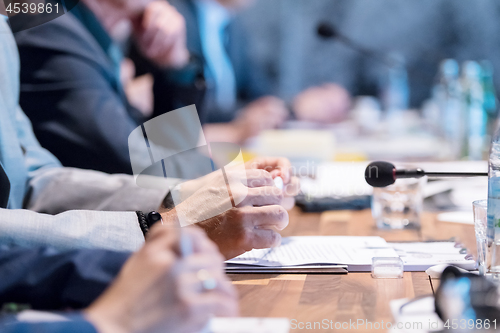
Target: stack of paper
[[314, 254]]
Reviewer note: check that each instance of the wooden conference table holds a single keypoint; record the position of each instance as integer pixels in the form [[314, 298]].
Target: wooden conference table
[[340, 298]]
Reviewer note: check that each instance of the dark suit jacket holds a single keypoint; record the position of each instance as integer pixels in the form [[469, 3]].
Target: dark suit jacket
[[70, 90], [251, 82], [76, 324], [50, 280]]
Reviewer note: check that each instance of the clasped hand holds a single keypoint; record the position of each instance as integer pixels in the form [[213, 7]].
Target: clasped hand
[[239, 207]]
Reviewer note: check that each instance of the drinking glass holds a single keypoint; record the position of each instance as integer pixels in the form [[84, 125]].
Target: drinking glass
[[399, 206], [480, 208]]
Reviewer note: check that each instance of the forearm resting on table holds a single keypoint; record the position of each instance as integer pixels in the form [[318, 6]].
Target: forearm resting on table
[[71, 230]]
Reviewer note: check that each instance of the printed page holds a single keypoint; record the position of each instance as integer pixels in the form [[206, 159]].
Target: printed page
[[420, 256], [319, 250]]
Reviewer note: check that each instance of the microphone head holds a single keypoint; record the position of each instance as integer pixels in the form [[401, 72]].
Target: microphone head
[[380, 174], [326, 30]]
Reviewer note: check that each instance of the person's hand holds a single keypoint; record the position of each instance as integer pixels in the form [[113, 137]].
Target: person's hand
[[161, 35], [327, 103], [158, 290], [236, 5], [243, 229], [239, 209], [139, 90], [279, 167], [275, 166], [262, 114]]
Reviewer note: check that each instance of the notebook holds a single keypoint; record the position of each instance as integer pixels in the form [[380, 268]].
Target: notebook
[[314, 254]]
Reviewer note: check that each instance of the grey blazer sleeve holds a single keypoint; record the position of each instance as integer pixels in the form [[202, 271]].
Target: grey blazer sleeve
[[53, 189], [79, 198], [71, 230], [57, 190], [76, 200]]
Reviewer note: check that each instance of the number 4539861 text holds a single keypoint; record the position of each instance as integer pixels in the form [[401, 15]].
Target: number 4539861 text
[[471, 324], [32, 8]]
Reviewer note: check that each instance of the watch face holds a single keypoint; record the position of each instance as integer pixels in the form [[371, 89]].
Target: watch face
[[153, 218]]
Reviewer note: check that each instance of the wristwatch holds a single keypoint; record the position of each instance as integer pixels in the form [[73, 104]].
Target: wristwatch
[[147, 221]]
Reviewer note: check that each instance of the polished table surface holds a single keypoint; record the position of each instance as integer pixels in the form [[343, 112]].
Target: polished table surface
[[342, 298]]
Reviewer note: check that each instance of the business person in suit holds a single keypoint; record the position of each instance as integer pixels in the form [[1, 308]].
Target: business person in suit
[[238, 103], [70, 78], [89, 209], [157, 289]]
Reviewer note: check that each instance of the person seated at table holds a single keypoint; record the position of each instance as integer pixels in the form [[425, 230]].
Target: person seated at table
[[71, 86], [157, 289], [32, 180], [238, 104]]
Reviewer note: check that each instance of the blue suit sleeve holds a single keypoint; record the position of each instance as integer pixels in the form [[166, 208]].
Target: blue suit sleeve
[[76, 324], [50, 280]]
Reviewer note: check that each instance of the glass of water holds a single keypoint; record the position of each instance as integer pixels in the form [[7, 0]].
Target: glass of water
[[480, 208], [399, 206]]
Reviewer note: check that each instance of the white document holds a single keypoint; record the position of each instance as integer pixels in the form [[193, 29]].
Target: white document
[[418, 257], [337, 180], [249, 325], [417, 316], [216, 325], [354, 252]]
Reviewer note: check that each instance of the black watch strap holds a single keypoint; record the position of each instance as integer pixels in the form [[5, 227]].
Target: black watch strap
[[143, 223]]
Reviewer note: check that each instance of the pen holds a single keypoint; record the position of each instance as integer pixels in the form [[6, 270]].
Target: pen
[[185, 244], [278, 182]]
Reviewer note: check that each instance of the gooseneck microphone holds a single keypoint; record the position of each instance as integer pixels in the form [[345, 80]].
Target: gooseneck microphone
[[328, 31], [382, 174]]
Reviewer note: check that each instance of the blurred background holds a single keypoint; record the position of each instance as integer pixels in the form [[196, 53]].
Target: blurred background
[[283, 40], [428, 91], [438, 98]]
